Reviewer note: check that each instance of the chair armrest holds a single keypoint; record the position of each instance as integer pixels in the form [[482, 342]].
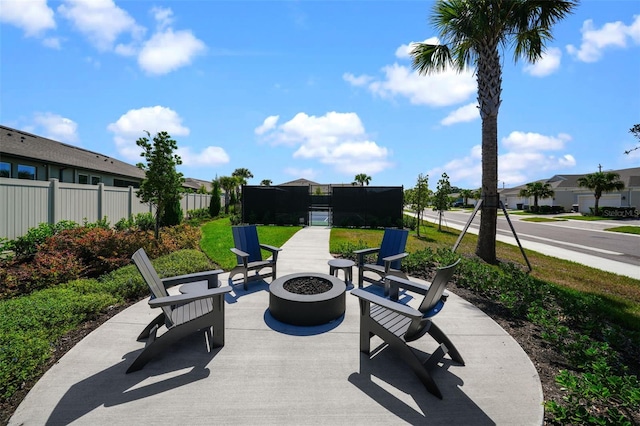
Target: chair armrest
[[398, 307], [395, 257], [363, 252], [396, 283], [239, 252], [272, 249], [186, 298], [209, 276], [366, 251]]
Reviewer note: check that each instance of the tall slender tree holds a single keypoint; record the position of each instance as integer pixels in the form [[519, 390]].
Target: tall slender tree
[[441, 198], [162, 184], [600, 182], [537, 190], [472, 33], [228, 184], [420, 198]]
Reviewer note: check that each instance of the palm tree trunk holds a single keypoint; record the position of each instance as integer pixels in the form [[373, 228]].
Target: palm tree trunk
[[489, 76]]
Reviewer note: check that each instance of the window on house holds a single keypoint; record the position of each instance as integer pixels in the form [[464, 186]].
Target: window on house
[[26, 172], [95, 180], [5, 169], [83, 179]]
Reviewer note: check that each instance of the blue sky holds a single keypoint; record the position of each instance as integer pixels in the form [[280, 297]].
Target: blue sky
[[317, 89]]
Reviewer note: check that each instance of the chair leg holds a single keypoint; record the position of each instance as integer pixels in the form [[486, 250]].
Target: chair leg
[[158, 321], [440, 337], [408, 355]]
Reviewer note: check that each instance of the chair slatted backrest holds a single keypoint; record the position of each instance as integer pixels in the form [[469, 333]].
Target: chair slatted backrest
[[393, 242], [433, 298], [245, 238], [151, 277]]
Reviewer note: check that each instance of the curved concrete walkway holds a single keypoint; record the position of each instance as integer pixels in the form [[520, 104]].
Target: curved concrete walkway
[[271, 373]]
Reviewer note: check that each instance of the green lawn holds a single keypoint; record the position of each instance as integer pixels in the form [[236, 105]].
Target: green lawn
[[217, 240]]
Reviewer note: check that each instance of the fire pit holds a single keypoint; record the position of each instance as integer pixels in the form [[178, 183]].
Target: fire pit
[[291, 301]]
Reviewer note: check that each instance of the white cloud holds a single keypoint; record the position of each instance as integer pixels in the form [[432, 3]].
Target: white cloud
[[546, 65], [132, 125], [210, 156], [101, 21], [357, 81], [404, 51], [438, 89], [163, 17], [51, 42], [465, 113], [337, 139], [309, 174], [526, 142], [268, 124], [612, 34], [525, 156], [57, 127], [168, 51], [34, 16]]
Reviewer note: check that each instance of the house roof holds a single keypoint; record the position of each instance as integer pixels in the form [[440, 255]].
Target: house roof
[[196, 184], [26, 145], [299, 182]]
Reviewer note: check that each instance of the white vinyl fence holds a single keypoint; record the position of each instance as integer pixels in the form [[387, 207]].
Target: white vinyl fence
[[25, 204]]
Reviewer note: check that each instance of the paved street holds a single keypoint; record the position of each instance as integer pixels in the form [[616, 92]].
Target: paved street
[[579, 241]]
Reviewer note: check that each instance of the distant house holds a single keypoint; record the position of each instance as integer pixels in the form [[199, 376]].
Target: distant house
[[573, 197], [27, 156]]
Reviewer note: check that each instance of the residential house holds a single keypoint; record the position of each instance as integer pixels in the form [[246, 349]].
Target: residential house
[[572, 197], [27, 156]]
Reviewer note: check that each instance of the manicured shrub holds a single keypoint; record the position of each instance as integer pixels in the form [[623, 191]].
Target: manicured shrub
[[172, 213]]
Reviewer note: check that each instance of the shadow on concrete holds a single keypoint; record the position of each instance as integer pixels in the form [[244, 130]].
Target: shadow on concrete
[[238, 291], [297, 330], [386, 379], [116, 387]]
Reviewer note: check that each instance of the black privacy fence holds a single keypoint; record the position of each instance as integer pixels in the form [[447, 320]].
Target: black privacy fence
[[344, 206]]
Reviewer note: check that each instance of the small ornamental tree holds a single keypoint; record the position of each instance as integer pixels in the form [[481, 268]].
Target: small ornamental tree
[[215, 205], [420, 197], [162, 184], [441, 198]]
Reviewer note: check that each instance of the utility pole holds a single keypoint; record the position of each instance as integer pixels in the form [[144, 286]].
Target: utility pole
[[600, 168]]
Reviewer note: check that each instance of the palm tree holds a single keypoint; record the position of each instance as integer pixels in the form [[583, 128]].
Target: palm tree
[[466, 194], [228, 183], [472, 33], [265, 182], [242, 175], [600, 182], [363, 179], [537, 190]]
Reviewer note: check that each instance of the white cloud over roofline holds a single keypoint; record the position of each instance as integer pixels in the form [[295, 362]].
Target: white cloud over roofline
[[132, 125], [337, 139]]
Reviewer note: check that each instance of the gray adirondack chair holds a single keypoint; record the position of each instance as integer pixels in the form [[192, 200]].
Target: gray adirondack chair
[[390, 254], [248, 251], [397, 324], [201, 309]]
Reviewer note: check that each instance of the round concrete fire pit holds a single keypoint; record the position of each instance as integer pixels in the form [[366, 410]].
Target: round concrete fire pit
[[307, 309]]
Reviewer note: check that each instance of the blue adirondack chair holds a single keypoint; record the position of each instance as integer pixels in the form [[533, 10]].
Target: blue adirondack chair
[[390, 254], [247, 249]]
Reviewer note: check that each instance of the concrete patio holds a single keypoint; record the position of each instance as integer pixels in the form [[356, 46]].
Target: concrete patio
[[272, 373]]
